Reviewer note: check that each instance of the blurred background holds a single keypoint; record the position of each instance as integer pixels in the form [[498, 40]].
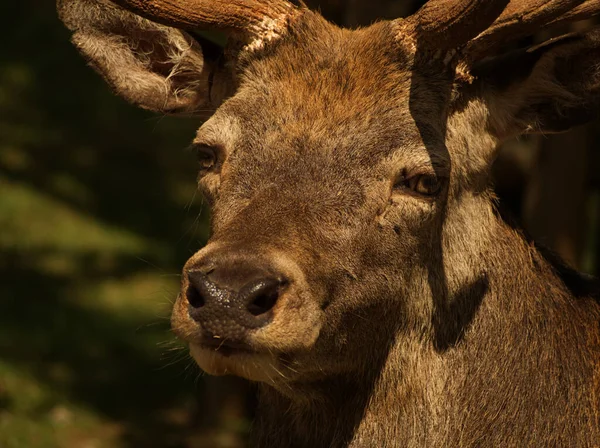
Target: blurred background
[[98, 213]]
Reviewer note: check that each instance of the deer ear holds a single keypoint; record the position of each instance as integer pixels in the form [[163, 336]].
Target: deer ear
[[153, 66], [549, 88]]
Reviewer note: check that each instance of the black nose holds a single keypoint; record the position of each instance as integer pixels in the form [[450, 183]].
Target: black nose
[[231, 298]]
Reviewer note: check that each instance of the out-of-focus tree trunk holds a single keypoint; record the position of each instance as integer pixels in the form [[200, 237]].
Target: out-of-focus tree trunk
[[359, 12], [591, 255], [353, 13], [554, 204]]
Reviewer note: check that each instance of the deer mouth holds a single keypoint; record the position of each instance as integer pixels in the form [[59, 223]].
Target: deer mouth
[[226, 347], [242, 362]]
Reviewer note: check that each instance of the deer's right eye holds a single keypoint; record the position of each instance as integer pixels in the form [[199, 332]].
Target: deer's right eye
[[207, 157]]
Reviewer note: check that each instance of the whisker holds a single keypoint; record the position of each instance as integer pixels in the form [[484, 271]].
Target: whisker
[[149, 263]]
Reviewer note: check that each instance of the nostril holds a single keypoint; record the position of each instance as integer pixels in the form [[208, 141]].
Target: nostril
[[263, 303], [195, 299], [263, 296]]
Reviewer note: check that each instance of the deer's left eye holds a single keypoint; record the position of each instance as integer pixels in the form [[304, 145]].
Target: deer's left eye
[[426, 185]]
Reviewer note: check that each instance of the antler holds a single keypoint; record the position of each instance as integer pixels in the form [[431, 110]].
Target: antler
[[484, 25], [446, 24], [586, 10], [252, 18], [525, 17]]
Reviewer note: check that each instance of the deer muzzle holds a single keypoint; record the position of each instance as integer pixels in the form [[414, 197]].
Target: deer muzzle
[[241, 310]]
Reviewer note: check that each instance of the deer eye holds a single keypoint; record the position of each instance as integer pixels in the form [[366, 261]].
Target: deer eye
[[207, 157], [426, 185]]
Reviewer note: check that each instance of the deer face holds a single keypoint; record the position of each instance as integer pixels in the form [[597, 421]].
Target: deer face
[[339, 164], [321, 185]]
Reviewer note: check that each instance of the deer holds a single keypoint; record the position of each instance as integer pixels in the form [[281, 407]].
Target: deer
[[358, 269]]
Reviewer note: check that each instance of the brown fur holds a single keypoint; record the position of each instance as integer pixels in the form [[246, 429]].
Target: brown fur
[[410, 322]]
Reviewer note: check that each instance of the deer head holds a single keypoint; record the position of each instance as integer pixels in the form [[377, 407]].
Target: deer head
[[347, 170]]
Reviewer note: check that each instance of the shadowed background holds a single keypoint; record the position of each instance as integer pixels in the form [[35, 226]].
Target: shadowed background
[[98, 213]]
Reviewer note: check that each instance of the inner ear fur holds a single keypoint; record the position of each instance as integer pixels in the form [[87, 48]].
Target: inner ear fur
[[152, 66], [549, 88]]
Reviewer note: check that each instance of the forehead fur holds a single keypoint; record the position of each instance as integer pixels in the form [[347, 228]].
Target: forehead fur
[[345, 93]]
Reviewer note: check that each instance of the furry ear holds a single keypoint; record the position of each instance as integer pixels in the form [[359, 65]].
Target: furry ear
[[153, 66], [548, 88]]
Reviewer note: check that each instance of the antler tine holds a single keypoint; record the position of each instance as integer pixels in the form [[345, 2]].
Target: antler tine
[[524, 17], [445, 24], [253, 18], [586, 10]]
